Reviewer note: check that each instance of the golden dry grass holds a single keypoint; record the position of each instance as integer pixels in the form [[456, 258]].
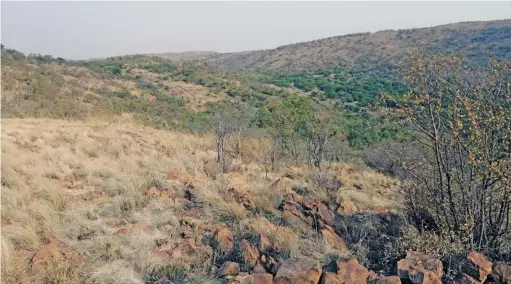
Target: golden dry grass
[[73, 180]]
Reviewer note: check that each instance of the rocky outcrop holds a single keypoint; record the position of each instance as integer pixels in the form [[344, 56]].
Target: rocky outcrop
[[298, 270], [471, 266], [333, 239]]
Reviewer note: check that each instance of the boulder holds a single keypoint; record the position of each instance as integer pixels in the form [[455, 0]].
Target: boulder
[[420, 268], [317, 210], [249, 254], [476, 266], [258, 268], [223, 240], [298, 270], [333, 239], [229, 268], [351, 271], [347, 207]]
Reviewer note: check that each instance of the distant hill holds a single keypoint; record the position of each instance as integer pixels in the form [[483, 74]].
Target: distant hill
[[473, 39]]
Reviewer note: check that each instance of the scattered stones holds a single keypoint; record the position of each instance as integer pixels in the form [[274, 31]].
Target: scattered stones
[[298, 270], [223, 240]]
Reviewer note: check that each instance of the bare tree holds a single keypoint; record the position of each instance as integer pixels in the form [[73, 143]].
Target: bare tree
[[227, 119], [461, 117], [319, 130]]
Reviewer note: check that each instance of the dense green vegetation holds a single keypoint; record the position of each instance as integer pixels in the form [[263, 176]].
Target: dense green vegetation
[[352, 92]]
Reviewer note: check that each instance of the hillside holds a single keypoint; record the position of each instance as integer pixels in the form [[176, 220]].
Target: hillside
[[357, 50]]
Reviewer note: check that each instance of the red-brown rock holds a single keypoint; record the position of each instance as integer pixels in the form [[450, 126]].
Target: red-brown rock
[[333, 239], [463, 278], [258, 278], [389, 280], [249, 254], [264, 243], [298, 270], [351, 271], [420, 267], [347, 207], [229, 268], [503, 272], [476, 266], [223, 239]]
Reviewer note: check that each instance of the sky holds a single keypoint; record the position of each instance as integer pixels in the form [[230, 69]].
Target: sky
[[82, 30]]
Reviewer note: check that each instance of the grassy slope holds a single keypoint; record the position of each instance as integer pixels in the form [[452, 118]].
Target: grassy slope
[[83, 181]]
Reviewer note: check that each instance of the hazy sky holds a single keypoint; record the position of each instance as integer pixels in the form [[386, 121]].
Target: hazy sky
[[80, 30]]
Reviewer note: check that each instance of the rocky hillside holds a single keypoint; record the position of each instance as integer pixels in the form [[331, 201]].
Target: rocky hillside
[[115, 202], [474, 39]]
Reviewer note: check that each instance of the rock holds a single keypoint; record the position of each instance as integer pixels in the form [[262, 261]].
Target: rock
[[163, 194], [419, 275], [347, 207], [351, 271], [317, 210], [333, 239], [258, 278], [389, 280], [134, 227], [186, 234], [264, 244], [258, 268], [503, 272], [229, 268], [476, 266], [223, 240], [249, 254], [298, 270], [463, 278], [418, 267], [241, 198], [373, 275]]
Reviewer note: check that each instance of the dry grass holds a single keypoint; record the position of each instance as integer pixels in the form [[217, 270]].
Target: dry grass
[[83, 181]]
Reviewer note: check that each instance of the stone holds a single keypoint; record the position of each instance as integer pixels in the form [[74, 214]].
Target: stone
[[264, 244], [298, 270], [476, 266], [223, 240], [229, 268], [389, 280], [258, 268], [318, 210], [418, 275], [347, 207], [419, 266], [249, 254], [351, 271], [257, 278], [463, 278], [333, 239], [503, 272]]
